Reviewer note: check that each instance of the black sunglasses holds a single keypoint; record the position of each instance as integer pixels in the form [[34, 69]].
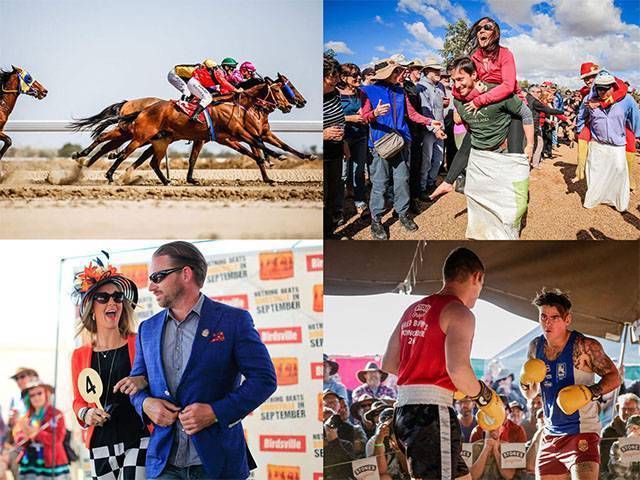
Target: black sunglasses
[[158, 277], [487, 26], [103, 297], [603, 88]]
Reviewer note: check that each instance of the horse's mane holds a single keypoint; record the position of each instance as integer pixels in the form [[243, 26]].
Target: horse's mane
[[4, 76], [252, 82]]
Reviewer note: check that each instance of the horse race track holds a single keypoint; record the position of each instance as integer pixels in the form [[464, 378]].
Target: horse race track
[[555, 211], [57, 199]]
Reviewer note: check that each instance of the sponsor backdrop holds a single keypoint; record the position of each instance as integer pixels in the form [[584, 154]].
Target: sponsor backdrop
[[282, 289]]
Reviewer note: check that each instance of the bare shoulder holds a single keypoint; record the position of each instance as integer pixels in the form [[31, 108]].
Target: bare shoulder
[[456, 314]]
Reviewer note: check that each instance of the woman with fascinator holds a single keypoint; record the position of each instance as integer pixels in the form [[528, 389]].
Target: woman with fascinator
[[116, 437]]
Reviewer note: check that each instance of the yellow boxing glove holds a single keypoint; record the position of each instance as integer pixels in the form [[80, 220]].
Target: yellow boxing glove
[[491, 412], [574, 397], [533, 371]]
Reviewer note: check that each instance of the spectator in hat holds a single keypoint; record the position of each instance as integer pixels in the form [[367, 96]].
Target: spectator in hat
[[330, 368], [385, 108], [18, 407], [432, 106], [337, 452], [392, 463], [42, 432], [358, 411], [626, 406], [333, 404], [467, 419], [504, 386], [516, 413], [372, 379], [619, 468], [412, 89]]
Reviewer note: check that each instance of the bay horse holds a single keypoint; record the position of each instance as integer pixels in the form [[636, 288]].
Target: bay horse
[[13, 83], [162, 123]]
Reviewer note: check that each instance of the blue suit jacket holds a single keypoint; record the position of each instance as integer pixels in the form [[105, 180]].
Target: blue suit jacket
[[231, 347]]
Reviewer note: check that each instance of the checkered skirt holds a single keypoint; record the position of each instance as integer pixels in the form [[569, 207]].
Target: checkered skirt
[[113, 462]]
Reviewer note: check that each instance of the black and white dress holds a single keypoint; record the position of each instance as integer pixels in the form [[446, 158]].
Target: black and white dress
[[118, 448]]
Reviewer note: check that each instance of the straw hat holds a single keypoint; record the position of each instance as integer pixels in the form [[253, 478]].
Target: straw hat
[[21, 370], [433, 65], [384, 69]]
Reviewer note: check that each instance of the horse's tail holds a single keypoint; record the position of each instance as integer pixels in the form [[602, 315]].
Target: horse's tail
[[89, 122]]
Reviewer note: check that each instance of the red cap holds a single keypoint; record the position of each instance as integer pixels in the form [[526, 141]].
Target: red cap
[[588, 69], [547, 84]]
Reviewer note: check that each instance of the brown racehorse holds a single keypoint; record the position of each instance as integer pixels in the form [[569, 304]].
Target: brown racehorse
[[12, 84], [234, 122]]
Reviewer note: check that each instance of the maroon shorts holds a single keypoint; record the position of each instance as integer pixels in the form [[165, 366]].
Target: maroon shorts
[[558, 453]]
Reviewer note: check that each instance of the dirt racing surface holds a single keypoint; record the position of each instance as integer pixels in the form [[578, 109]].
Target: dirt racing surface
[[555, 211], [59, 199]]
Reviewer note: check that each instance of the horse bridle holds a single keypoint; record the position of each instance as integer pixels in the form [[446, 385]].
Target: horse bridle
[[32, 91], [264, 103]]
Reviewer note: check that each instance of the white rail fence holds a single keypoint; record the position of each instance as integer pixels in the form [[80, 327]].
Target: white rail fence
[[34, 126]]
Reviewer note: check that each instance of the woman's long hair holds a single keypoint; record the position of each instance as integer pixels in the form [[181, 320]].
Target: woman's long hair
[[472, 38], [347, 69], [126, 325]]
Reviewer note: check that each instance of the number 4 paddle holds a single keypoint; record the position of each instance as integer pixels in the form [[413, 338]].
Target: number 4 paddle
[[90, 386]]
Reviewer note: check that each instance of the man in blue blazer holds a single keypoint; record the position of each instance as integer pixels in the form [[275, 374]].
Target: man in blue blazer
[[193, 354]]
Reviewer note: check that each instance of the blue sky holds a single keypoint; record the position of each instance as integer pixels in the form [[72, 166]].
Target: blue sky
[[90, 53], [549, 39]]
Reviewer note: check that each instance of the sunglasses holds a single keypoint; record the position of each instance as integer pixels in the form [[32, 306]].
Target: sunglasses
[[158, 277], [487, 26], [603, 88], [103, 297], [37, 394]]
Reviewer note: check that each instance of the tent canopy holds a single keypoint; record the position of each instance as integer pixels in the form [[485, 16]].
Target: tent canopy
[[602, 278]]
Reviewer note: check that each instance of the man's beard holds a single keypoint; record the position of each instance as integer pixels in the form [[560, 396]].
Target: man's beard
[[170, 300]]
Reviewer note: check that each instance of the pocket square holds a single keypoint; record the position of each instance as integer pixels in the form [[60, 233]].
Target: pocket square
[[217, 337]]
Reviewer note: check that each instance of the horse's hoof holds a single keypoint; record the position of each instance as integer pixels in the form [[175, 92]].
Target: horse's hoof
[[112, 156], [312, 157], [109, 177], [75, 155], [282, 157], [193, 181]]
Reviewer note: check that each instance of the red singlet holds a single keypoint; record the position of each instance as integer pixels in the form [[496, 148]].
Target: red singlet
[[422, 357]]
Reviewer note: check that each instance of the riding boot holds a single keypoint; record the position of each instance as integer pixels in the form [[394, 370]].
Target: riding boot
[[194, 117]]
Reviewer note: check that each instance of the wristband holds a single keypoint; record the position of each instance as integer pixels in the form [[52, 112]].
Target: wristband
[[82, 413], [378, 444]]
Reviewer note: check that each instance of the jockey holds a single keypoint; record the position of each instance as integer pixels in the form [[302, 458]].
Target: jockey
[[180, 75], [205, 79], [248, 71], [230, 73]]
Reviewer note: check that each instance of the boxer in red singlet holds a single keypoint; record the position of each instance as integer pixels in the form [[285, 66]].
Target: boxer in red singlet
[[430, 352]]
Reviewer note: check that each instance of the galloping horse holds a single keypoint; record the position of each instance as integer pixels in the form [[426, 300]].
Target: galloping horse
[[12, 84], [234, 122]]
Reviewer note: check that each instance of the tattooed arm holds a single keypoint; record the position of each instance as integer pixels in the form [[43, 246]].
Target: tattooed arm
[[590, 355]]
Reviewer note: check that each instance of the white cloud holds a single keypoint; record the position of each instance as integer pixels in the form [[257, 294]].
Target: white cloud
[[338, 47], [426, 8], [513, 13], [378, 19], [420, 33], [380, 48], [586, 18]]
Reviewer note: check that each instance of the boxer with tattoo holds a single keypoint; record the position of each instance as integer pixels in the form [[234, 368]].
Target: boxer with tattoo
[[562, 367]]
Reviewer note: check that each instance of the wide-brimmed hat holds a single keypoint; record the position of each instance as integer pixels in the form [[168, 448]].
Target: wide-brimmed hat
[[93, 277], [36, 383], [355, 406], [385, 414], [384, 69], [377, 407], [588, 69], [432, 64], [371, 367], [333, 366], [604, 78], [416, 63], [327, 391], [21, 370], [504, 374]]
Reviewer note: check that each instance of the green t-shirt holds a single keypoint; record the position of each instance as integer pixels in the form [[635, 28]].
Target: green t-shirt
[[489, 125]]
